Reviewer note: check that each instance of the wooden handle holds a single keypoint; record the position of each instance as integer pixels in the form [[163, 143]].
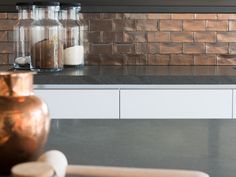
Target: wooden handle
[[99, 171], [32, 169]]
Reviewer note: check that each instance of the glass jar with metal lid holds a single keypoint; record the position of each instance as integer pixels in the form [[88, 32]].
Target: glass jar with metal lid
[[46, 37], [21, 36], [73, 34]]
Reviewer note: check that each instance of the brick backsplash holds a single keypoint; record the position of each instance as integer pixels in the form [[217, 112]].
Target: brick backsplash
[[148, 38]]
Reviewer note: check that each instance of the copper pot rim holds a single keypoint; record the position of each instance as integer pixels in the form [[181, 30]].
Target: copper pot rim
[[16, 83]]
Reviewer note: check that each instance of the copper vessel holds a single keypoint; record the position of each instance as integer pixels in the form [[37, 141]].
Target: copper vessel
[[24, 120]]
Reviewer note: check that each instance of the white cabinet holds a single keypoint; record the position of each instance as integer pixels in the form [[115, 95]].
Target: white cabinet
[[81, 103], [234, 103], [182, 103], [139, 101]]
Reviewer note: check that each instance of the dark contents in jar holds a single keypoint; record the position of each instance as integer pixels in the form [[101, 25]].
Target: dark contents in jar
[[47, 54]]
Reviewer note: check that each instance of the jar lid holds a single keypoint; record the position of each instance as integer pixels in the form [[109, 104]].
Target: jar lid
[[44, 3], [70, 4], [16, 83], [24, 5]]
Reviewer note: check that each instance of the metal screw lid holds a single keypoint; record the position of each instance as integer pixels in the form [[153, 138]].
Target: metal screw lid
[[44, 3]]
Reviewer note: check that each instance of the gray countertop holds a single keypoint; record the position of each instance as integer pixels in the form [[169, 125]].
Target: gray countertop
[[139, 75], [206, 145]]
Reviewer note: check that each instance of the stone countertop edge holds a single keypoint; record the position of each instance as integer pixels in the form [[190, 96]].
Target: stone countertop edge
[[137, 75], [134, 80]]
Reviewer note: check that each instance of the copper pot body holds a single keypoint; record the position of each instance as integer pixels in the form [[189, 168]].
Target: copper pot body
[[24, 121]]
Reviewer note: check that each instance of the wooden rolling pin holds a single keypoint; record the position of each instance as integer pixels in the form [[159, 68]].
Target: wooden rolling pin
[[58, 162]]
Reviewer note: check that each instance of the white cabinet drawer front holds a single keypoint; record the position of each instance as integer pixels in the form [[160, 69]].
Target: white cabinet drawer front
[[81, 103], [176, 104], [234, 104]]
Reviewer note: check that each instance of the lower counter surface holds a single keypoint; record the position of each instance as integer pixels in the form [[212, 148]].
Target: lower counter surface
[[205, 145]]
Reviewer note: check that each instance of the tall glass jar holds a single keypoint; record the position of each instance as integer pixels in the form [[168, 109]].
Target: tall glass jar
[[46, 37], [22, 37], [73, 34]]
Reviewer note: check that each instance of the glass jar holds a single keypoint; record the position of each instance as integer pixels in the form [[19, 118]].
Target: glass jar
[[46, 37], [73, 34], [22, 37]]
